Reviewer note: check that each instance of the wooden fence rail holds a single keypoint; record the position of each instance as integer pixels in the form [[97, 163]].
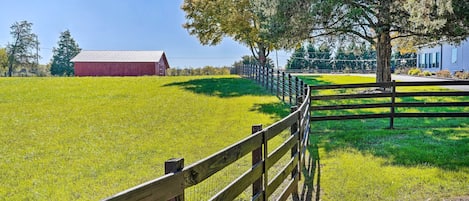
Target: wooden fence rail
[[172, 185], [392, 94], [284, 85]]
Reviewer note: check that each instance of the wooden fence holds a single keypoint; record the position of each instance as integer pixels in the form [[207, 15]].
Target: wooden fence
[[392, 94], [177, 178], [284, 85]]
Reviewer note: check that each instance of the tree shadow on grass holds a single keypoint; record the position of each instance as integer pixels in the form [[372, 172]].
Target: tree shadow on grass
[[434, 142], [222, 87], [231, 88], [277, 110], [311, 169], [313, 80], [423, 145]]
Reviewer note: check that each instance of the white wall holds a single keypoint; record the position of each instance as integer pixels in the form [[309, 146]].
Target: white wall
[[446, 51]]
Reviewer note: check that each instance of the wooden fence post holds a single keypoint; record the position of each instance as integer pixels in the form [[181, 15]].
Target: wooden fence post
[[278, 83], [283, 86], [172, 166], [393, 104], [297, 90], [256, 158]]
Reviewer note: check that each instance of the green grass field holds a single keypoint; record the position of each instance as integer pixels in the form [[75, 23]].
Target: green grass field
[[89, 138], [421, 159]]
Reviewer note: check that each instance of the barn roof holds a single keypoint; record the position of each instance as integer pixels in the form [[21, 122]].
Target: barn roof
[[118, 56]]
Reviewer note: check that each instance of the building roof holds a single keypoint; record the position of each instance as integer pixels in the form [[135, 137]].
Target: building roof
[[118, 56]]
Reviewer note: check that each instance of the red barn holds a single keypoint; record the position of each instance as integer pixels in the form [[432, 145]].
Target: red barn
[[120, 63]]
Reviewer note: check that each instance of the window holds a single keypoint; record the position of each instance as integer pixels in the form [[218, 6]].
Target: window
[[427, 60], [422, 60], [454, 55], [434, 58], [437, 60], [430, 60]]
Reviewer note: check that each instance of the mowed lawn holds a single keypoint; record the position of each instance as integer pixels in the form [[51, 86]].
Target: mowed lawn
[[89, 138], [421, 159]]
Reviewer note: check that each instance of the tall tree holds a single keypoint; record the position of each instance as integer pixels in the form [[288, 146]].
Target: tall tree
[[66, 50], [23, 50], [253, 23], [380, 22]]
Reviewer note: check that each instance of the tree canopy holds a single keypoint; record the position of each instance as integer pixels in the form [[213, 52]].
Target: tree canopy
[[66, 50], [23, 50], [380, 22], [254, 23]]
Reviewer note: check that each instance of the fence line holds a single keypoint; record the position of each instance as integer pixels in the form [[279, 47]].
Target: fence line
[[392, 104], [177, 178], [284, 85]]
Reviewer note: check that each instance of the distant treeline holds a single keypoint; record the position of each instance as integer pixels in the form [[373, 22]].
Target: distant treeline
[[207, 70]]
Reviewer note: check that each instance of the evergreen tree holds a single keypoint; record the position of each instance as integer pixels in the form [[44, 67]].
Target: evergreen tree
[[340, 58], [324, 57], [312, 55], [66, 50], [298, 59]]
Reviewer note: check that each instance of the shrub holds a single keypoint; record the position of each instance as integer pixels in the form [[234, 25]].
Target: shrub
[[414, 71], [461, 75], [207, 70], [427, 73], [443, 73], [402, 70]]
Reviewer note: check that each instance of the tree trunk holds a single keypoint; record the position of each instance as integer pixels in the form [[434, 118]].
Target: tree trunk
[[262, 55], [383, 42], [383, 60], [10, 66]]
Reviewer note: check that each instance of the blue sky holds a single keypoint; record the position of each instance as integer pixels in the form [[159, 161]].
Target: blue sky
[[120, 25]]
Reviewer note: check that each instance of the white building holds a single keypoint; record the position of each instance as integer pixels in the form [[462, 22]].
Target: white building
[[444, 56]]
